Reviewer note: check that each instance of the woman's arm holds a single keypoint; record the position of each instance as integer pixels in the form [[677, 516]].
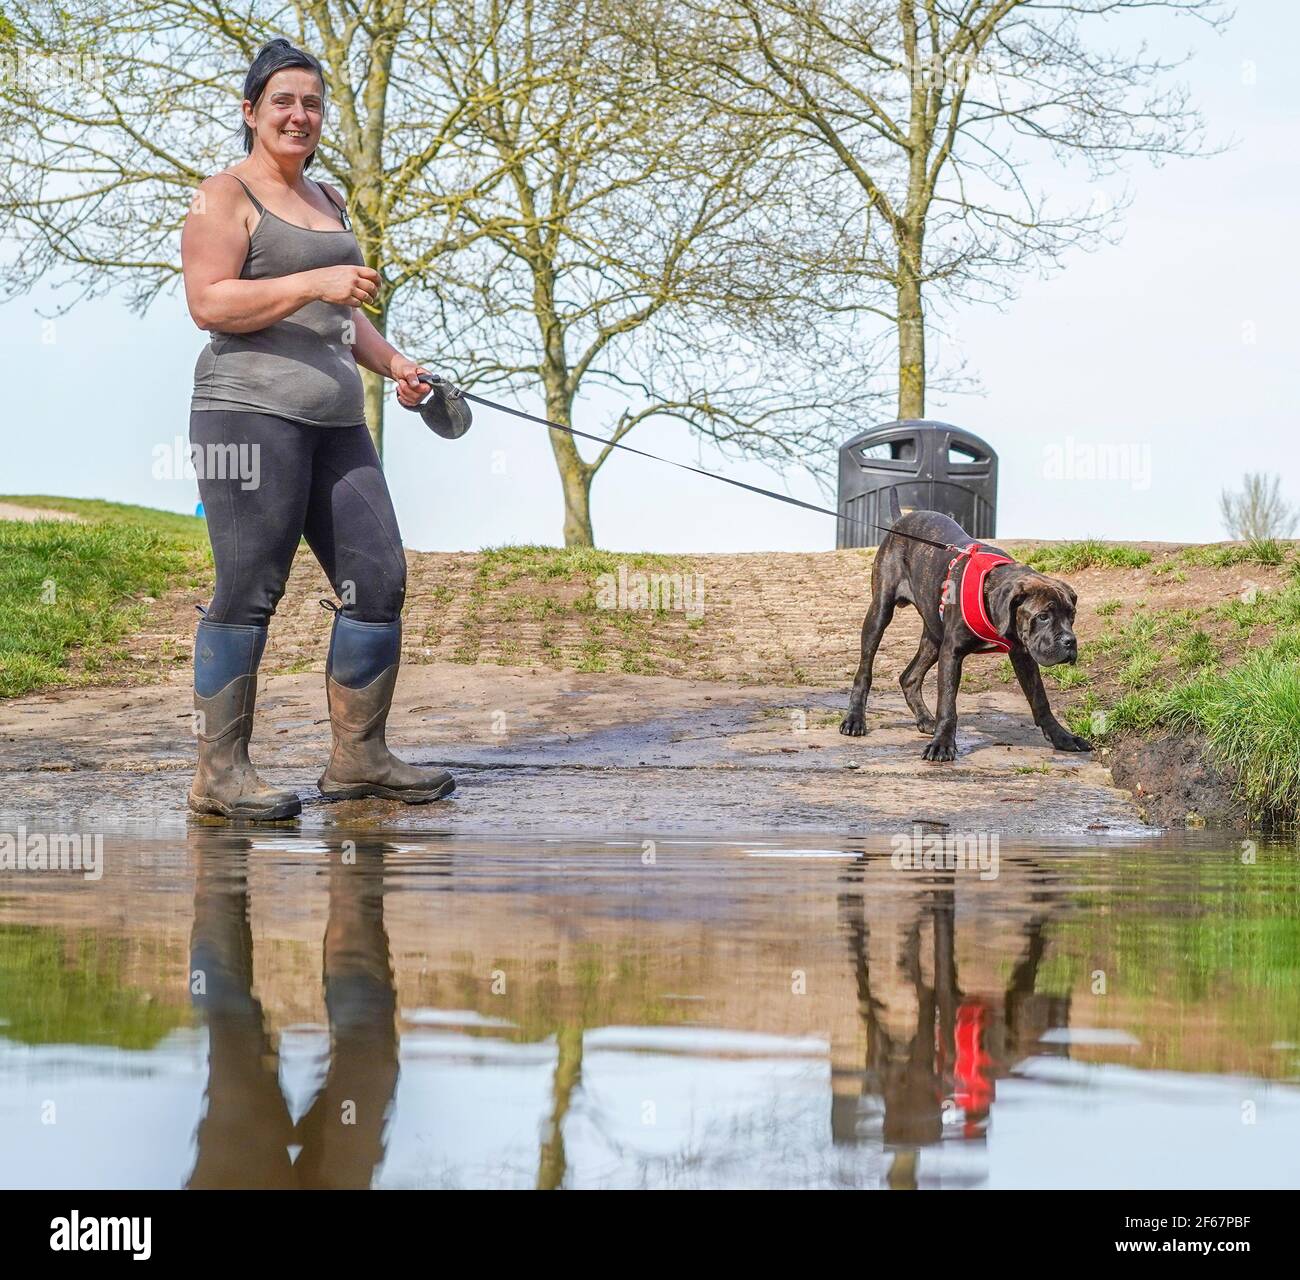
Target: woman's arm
[[373, 351]]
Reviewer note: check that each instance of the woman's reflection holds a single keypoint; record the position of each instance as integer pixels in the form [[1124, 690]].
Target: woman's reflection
[[246, 1134]]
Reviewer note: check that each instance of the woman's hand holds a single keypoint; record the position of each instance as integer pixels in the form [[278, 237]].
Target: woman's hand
[[410, 391], [345, 285]]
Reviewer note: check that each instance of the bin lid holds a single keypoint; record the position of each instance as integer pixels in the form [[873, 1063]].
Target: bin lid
[[909, 444], [892, 430]]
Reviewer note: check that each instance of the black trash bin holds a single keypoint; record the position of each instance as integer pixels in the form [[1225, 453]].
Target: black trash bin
[[933, 466]]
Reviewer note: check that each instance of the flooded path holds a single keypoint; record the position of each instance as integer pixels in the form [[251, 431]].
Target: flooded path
[[363, 1007], [548, 752]]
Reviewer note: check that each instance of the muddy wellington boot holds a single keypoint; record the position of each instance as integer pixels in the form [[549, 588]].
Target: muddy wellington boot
[[225, 691], [360, 676]]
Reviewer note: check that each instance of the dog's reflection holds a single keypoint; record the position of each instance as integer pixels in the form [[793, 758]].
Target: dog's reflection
[[938, 1077], [246, 1136]]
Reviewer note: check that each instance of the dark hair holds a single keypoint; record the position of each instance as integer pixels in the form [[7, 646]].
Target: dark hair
[[274, 56]]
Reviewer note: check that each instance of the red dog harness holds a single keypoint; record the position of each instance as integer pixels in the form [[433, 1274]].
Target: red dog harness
[[972, 592]]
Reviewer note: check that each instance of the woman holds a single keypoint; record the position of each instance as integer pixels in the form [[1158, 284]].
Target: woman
[[279, 283]]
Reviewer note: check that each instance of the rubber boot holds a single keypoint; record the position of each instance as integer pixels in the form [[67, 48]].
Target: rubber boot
[[360, 676], [226, 657]]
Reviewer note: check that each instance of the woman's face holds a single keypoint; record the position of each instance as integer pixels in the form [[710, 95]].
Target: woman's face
[[287, 120]]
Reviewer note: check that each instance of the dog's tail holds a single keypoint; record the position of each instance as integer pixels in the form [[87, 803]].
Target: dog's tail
[[895, 511]]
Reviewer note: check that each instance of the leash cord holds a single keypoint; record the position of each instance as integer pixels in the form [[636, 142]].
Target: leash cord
[[685, 466]]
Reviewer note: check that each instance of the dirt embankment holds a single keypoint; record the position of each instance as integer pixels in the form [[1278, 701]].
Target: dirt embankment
[[760, 621], [1173, 782]]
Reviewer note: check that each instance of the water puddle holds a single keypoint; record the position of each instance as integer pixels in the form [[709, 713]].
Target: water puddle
[[265, 1009]]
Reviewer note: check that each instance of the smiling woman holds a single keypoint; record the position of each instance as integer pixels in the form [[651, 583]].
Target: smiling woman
[[274, 272]]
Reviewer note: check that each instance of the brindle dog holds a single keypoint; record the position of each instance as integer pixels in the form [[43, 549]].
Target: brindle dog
[[1031, 611]]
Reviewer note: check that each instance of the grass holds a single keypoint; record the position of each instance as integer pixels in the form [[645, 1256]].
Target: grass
[[1070, 557], [506, 564], [68, 987], [1228, 673], [1250, 715], [190, 531], [1067, 677], [1247, 710], [1196, 651], [1220, 556], [68, 588]]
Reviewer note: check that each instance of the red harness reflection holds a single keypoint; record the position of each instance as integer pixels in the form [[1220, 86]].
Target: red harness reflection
[[973, 1068]]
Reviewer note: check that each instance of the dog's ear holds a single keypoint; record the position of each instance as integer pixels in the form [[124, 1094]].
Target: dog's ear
[[1064, 589], [1003, 597]]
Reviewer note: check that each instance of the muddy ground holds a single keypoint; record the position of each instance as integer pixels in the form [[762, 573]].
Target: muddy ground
[[540, 751], [556, 715]]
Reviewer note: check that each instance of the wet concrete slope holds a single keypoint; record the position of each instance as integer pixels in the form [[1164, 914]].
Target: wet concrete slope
[[564, 751]]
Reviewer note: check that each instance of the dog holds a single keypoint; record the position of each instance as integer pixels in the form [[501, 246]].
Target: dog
[[1005, 606]]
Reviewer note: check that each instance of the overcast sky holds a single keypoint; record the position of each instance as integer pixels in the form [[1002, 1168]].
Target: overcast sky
[[1176, 350]]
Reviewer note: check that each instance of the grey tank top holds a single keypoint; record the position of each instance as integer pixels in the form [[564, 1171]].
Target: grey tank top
[[301, 367]]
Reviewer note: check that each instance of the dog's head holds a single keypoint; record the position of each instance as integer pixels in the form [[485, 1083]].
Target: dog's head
[[1037, 610]]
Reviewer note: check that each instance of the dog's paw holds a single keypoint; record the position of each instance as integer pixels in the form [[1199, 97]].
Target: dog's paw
[[1064, 740], [940, 750], [854, 725], [927, 727]]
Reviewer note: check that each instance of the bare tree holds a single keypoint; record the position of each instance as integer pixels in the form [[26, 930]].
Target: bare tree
[[923, 109], [1258, 511], [623, 237], [548, 213], [111, 117]]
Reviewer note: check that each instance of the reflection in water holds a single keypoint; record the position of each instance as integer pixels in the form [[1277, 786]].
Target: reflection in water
[[566, 1015], [942, 1071], [246, 1132]]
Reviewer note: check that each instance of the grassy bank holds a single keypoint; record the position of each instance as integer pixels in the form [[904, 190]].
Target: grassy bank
[[1202, 641], [1227, 672], [70, 592]]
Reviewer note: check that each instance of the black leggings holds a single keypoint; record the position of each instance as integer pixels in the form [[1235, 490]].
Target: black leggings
[[265, 482]]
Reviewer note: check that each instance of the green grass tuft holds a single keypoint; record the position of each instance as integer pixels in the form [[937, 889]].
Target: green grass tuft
[[1070, 557], [190, 531], [1196, 651], [505, 564], [1223, 555]]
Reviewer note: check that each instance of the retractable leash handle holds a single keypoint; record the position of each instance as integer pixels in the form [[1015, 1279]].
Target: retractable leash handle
[[445, 410]]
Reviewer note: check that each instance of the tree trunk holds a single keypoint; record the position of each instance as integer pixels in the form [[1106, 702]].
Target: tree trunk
[[911, 335], [553, 1163], [575, 474], [575, 477], [373, 385]]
